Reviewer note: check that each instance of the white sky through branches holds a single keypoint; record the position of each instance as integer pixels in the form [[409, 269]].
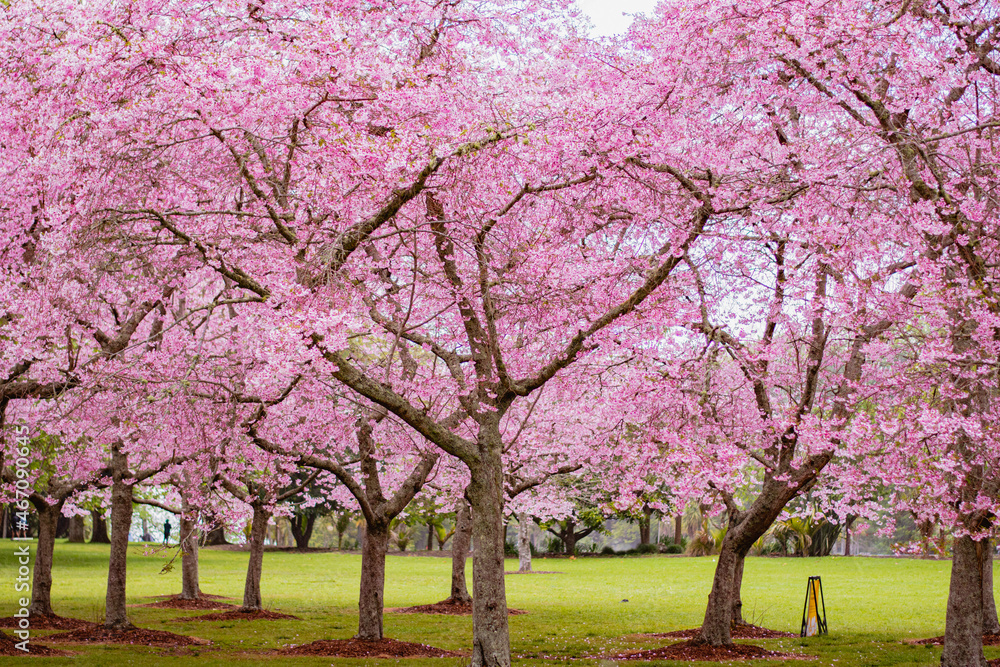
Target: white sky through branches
[[609, 16]]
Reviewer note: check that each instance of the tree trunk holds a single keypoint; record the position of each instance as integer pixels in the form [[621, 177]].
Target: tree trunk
[[371, 598], [302, 529], [430, 536], [523, 543], [76, 534], [963, 634], [644, 525], [715, 630], [115, 611], [490, 633], [41, 581], [99, 530], [744, 528], [216, 536], [460, 552], [737, 588], [678, 528], [569, 537], [847, 539], [991, 626], [188, 541], [62, 526], [258, 531], [146, 537]]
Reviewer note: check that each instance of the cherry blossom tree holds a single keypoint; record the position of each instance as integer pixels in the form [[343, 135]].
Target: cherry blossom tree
[[51, 490], [936, 428], [261, 493], [888, 134], [382, 478]]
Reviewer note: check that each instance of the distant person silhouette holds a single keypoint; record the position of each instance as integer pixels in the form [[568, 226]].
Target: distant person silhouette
[[166, 531]]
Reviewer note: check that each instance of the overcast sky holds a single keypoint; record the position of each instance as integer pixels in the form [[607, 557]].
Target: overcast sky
[[609, 15]]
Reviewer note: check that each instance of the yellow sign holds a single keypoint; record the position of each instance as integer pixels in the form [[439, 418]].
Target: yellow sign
[[814, 611]]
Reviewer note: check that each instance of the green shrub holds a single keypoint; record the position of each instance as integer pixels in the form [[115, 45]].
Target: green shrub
[[646, 549], [673, 549], [668, 541], [608, 551], [703, 544]]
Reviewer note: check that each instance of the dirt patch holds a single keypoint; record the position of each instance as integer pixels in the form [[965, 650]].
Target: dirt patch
[[988, 640], [239, 615], [178, 603], [446, 608], [369, 648], [53, 622], [134, 636], [747, 631], [8, 647], [177, 596], [702, 652], [531, 572]]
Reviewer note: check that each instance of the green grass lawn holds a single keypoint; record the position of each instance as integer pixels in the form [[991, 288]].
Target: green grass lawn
[[575, 616]]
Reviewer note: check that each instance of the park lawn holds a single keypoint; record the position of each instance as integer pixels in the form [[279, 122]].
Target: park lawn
[[577, 615]]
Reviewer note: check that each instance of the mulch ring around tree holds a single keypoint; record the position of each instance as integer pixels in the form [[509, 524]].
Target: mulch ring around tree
[[988, 640], [134, 636], [369, 648], [240, 615], [690, 650], [746, 631], [177, 596], [178, 603], [447, 608], [8, 647], [44, 622]]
